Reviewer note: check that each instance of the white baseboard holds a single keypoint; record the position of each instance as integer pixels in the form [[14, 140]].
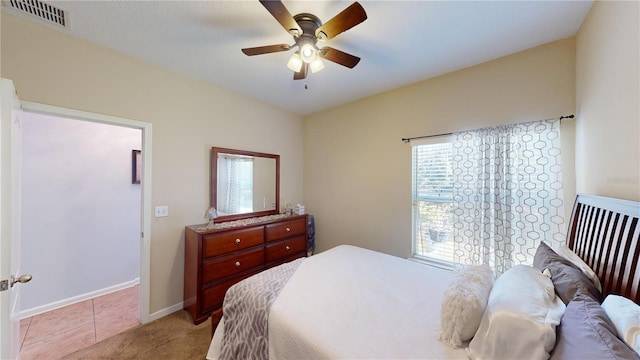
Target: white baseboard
[[76, 299], [166, 311]]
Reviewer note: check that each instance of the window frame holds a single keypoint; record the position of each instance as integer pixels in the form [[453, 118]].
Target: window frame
[[433, 261]]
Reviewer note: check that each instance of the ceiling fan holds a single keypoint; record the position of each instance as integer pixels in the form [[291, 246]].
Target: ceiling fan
[[307, 30]]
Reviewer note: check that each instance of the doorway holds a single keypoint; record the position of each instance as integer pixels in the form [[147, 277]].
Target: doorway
[[143, 207], [80, 210], [81, 220]]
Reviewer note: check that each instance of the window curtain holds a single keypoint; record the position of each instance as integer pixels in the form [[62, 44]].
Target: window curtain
[[507, 193]]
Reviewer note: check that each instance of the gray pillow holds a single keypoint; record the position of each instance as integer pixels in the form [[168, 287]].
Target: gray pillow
[[567, 278], [585, 332]]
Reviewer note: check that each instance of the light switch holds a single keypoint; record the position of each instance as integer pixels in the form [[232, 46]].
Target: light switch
[[162, 211]]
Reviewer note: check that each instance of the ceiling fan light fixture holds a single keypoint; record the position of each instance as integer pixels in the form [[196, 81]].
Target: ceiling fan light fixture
[[308, 52], [295, 62], [307, 30], [316, 65]]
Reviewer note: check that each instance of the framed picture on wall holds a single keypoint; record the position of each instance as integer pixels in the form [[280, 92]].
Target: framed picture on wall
[[136, 166]]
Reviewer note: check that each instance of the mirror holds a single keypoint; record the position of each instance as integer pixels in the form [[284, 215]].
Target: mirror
[[244, 183]]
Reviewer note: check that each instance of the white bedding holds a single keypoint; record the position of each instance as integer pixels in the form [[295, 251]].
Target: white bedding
[[354, 303]]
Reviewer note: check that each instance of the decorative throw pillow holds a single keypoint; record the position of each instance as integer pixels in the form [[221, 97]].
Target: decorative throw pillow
[[567, 278], [625, 317], [587, 333], [463, 305], [577, 261], [520, 319]]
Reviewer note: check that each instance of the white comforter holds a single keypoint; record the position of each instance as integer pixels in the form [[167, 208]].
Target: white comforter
[[355, 303]]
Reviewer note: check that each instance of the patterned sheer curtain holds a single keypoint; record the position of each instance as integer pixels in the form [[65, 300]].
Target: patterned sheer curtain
[[507, 193]]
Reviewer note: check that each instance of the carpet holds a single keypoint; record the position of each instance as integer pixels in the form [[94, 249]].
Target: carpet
[[172, 337]]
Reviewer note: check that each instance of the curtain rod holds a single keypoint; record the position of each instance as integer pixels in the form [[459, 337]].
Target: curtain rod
[[406, 140]]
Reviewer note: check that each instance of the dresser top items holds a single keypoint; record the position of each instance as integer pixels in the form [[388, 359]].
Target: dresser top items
[[203, 228]]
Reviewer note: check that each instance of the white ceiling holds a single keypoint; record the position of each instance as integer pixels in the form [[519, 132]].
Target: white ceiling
[[401, 42]]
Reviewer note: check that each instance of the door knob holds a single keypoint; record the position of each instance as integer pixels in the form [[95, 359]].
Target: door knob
[[22, 279]]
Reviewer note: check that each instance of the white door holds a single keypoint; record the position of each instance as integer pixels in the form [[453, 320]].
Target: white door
[[10, 153]]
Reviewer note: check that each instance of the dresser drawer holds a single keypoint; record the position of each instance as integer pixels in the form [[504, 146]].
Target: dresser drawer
[[213, 296], [286, 229], [233, 264], [283, 249], [222, 243]]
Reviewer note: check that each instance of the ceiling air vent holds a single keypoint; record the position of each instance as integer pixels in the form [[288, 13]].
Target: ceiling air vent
[[41, 10]]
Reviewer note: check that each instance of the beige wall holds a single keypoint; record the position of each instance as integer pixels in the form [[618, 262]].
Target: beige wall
[[358, 171], [607, 101], [188, 116]]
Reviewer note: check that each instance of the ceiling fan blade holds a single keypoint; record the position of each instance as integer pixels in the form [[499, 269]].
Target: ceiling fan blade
[[339, 57], [302, 74], [266, 49], [345, 20], [284, 17]]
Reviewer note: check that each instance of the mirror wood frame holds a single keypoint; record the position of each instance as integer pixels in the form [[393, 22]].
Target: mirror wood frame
[[214, 183]]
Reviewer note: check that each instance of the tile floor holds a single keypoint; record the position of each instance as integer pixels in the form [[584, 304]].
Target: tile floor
[[59, 332]]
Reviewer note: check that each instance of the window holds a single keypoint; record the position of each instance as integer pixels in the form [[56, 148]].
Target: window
[[488, 196], [433, 199]]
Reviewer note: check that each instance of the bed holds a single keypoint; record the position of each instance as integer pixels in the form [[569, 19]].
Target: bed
[[355, 303]]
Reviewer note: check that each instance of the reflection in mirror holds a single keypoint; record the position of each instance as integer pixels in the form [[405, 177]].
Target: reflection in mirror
[[244, 183]]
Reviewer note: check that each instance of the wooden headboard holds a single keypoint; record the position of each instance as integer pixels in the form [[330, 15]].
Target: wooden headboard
[[605, 233]]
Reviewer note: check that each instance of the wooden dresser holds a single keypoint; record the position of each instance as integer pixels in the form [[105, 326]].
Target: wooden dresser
[[218, 258]]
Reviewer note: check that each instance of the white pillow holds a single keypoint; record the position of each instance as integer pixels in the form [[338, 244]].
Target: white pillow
[[464, 302], [520, 319], [625, 316], [568, 254]]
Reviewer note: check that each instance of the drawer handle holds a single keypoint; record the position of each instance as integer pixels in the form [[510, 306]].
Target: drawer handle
[[237, 241], [287, 230], [237, 263], [287, 248]]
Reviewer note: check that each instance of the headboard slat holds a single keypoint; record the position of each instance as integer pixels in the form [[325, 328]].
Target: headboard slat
[[605, 271], [605, 233], [633, 255], [604, 244], [598, 232], [620, 261]]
